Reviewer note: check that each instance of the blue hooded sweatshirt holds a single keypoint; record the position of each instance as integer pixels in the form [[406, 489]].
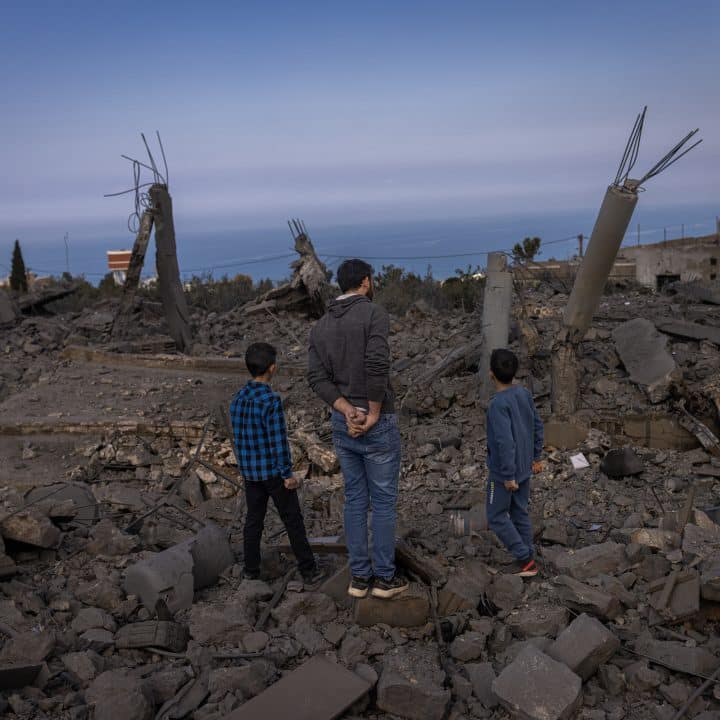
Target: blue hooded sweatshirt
[[514, 435]]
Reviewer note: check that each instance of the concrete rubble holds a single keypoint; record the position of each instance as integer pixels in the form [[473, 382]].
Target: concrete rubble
[[121, 586]]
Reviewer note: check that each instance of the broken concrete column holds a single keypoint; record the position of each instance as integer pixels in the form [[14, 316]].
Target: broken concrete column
[[607, 236], [174, 574], [610, 227], [496, 317], [171, 289]]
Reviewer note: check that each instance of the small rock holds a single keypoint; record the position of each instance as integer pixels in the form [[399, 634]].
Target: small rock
[[89, 618], [537, 620], [352, 650], [640, 677], [482, 677], [536, 687], [317, 607], [255, 641], [97, 639], [84, 665], [468, 646], [117, 695]]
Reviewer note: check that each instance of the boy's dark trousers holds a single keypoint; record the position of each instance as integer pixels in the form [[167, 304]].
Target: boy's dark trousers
[[257, 494], [508, 518]]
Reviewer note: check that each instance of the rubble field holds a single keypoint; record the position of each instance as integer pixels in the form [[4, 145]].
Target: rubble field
[[122, 595]]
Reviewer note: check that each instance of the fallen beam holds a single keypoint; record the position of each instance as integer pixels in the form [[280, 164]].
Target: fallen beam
[[231, 366], [690, 330]]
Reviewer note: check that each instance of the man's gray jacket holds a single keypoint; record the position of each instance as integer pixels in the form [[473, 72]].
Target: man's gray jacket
[[349, 353]]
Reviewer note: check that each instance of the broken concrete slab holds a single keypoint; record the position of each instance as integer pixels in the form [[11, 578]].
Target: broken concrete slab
[[318, 690], [8, 311], [621, 462], [602, 559], [468, 646], [248, 680], [118, 695], [411, 684], [30, 526], [694, 660], [690, 330], [89, 618], [586, 599], [28, 647], [410, 609], [536, 687], [584, 646], [537, 620], [683, 600], [18, 676], [643, 351], [482, 676], [175, 573]]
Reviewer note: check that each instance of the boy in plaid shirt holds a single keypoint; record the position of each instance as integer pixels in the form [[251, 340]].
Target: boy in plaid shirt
[[263, 455]]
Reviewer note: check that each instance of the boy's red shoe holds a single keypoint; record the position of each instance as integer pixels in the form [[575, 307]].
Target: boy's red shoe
[[525, 568]]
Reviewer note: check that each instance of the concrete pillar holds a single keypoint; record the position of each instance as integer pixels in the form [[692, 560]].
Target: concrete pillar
[[564, 374], [607, 236], [496, 317]]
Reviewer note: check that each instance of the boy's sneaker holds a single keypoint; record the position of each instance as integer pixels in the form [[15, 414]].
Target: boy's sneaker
[[359, 587], [525, 568], [389, 588], [313, 578]]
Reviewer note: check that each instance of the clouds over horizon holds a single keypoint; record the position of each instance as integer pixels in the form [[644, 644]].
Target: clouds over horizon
[[419, 109]]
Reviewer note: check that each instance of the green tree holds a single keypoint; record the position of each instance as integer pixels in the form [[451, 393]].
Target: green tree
[[526, 251], [18, 274]]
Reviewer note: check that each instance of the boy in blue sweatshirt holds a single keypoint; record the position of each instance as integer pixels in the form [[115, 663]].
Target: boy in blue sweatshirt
[[514, 448]]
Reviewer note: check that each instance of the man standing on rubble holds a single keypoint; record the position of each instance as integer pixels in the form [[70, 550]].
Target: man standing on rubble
[[349, 368]]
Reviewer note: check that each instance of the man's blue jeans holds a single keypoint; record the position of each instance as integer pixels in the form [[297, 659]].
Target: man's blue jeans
[[507, 514], [371, 467]]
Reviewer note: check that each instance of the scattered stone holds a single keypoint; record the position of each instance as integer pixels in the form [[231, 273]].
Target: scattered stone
[[310, 639], [352, 650], [317, 607], [108, 539], [97, 639], [640, 677], [162, 634], [89, 618], [612, 680], [249, 680], [411, 684], [482, 677], [255, 641], [468, 646], [584, 646], [218, 623], [536, 687], [334, 633], [582, 598], [506, 591], [537, 620], [464, 588], [84, 665], [31, 527], [117, 695]]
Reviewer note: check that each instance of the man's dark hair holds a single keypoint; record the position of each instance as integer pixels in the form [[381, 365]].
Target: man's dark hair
[[504, 365], [351, 273], [259, 357]]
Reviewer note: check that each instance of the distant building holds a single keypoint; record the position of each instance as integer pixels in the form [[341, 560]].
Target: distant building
[[118, 264], [656, 265]]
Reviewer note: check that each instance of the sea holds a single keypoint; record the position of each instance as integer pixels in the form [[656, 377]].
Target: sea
[[442, 246]]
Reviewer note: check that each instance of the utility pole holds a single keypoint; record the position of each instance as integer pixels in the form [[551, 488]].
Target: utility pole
[[580, 238], [682, 232], [664, 234], [638, 236], [717, 228], [67, 255]]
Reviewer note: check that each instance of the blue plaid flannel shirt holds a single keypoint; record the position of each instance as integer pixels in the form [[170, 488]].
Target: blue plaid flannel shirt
[[259, 433]]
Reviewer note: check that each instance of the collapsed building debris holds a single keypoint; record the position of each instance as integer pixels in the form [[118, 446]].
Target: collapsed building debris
[[125, 468]]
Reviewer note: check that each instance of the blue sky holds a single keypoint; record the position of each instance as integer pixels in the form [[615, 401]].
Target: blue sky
[[347, 112]]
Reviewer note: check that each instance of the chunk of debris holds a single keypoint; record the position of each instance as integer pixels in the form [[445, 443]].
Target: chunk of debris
[[586, 599], [584, 646], [118, 695], [319, 689], [690, 330], [30, 526], [694, 660], [163, 634], [411, 684], [536, 687], [622, 462], [602, 559], [175, 573], [537, 620], [643, 351], [677, 596], [482, 677]]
